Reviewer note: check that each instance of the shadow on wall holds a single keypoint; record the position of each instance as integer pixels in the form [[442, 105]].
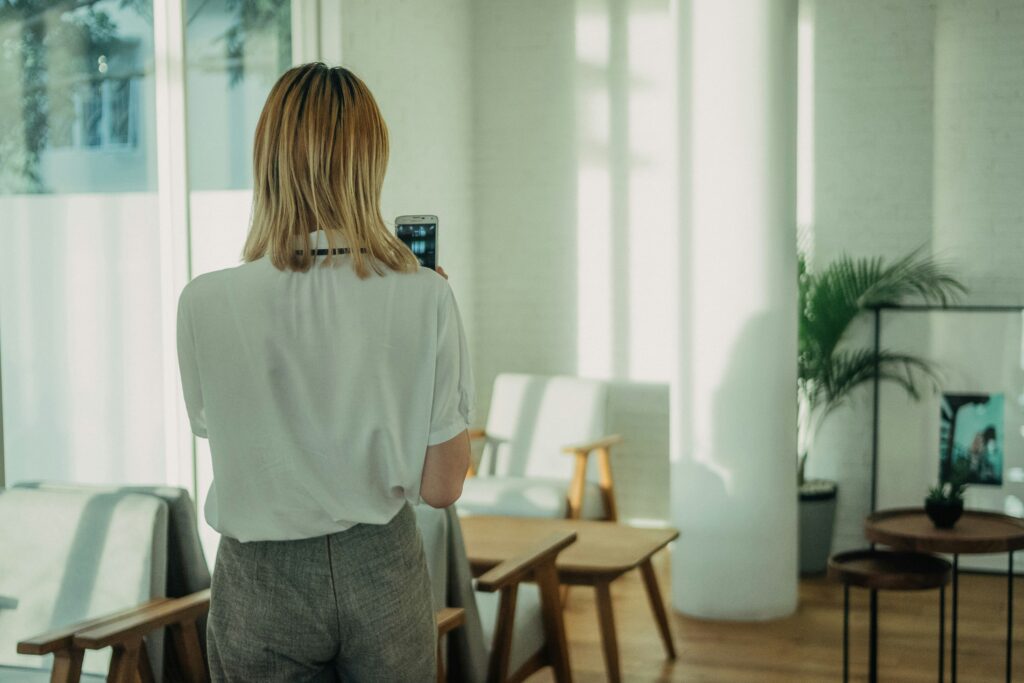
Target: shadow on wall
[[718, 470]]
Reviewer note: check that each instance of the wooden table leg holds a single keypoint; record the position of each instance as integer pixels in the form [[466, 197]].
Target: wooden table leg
[[546, 577], [657, 606], [608, 640]]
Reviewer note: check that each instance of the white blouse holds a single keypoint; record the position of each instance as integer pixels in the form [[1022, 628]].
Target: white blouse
[[319, 392]]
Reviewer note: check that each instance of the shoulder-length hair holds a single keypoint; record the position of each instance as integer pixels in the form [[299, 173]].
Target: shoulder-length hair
[[319, 157]]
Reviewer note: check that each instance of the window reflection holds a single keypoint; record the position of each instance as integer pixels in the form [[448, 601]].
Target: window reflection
[[235, 51], [76, 80]]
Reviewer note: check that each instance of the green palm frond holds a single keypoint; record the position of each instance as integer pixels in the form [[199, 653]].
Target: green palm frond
[[832, 299], [847, 370], [829, 303]]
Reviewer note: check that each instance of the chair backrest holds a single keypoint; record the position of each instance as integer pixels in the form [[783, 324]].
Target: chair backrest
[[532, 417], [67, 556], [452, 583], [187, 570]]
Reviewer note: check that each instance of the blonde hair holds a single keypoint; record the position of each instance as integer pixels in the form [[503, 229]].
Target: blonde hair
[[319, 156]]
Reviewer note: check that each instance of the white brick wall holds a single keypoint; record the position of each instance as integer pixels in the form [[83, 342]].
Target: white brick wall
[[873, 95], [919, 136], [416, 59], [918, 140], [979, 145], [524, 189], [542, 77], [482, 103]]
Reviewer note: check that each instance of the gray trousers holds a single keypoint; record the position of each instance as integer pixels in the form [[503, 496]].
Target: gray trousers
[[352, 606]]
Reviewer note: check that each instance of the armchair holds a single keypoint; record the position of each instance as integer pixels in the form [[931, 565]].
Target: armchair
[[87, 568], [537, 459], [123, 632], [73, 558], [512, 614]]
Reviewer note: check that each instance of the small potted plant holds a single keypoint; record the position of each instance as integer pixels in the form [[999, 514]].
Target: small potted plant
[[945, 502]]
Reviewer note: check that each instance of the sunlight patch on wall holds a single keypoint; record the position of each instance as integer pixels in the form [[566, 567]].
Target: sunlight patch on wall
[[653, 230], [593, 189]]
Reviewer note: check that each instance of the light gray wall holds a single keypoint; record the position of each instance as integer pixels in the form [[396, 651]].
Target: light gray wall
[[873, 148], [524, 188], [919, 133], [979, 145], [416, 59], [566, 95]]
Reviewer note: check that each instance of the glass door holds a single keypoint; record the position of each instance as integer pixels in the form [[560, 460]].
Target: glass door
[[98, 185], [80, 289]]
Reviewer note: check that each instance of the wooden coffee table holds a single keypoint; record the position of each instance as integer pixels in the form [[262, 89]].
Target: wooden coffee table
[[603, 552]]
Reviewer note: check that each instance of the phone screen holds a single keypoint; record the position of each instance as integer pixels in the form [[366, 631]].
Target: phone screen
[[421, 238]]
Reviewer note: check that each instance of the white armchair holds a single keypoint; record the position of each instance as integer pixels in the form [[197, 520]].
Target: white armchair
[[536, 462], [83, 574]]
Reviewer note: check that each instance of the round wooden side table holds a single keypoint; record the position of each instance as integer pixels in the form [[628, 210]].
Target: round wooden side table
[[878, 570], [976, 532]]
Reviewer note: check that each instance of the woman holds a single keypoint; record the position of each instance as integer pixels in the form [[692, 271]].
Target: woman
[[330, 374]]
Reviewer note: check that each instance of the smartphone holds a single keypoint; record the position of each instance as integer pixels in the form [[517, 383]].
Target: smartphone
[[419, 234]]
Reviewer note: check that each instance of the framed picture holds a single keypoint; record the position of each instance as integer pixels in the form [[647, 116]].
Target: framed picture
[[971, 431]]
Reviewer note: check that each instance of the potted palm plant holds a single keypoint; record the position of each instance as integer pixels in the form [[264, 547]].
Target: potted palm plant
[[829, 370]]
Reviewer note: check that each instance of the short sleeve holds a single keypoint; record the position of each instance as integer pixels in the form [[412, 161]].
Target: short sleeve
[[452, 410], [189, 367]]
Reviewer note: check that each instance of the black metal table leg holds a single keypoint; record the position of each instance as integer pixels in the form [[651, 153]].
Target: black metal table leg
[[846, 632], [1009, 620], [956, 595], [873, 656], [942, 634]]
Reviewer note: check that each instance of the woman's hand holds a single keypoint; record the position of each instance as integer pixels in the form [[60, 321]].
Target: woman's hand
[[440, 271]]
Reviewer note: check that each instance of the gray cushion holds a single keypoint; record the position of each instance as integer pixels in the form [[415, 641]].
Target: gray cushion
[[528, 626], [524, 497], [69, 556]]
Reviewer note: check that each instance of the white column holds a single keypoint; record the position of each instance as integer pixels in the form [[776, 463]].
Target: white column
[[734, 399]]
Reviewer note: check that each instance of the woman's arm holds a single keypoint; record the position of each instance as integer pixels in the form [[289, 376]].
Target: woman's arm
[[444, 471]]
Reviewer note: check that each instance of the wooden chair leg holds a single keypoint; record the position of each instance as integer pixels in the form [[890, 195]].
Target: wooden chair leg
[[604, 462], [501, 648], [189, 651], [67, 666], [145, 668], [440, 663], [657, 606], [577, 487], [609, 642], [124, 663], [546, 577]]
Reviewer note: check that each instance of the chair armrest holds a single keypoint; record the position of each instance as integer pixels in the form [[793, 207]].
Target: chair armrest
[[587, 447], [61, 639], [141, 622], [516, 569], [449, 618], [477, 434]]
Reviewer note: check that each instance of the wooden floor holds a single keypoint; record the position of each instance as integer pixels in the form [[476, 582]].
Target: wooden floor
[[804, 647]]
